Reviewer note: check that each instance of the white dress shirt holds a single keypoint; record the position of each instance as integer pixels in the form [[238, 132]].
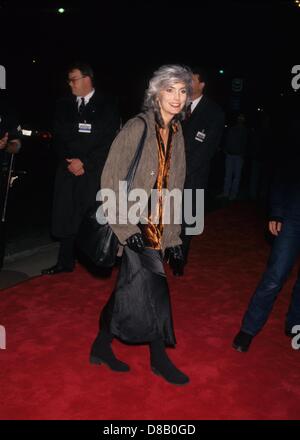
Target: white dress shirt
[[195, 103], [86, 98]]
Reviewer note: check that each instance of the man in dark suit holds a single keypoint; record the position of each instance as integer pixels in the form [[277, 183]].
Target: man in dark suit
[[10, 144], [10, 130], [84, 128], [202, 129]]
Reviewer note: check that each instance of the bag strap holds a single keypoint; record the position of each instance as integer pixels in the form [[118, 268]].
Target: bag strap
[[135, 161]]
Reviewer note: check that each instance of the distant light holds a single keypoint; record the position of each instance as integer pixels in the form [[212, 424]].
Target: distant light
[[46, 135], [26, 132], [61, 10], [34, 61], [259, 109], [281, 94], [221, 71]]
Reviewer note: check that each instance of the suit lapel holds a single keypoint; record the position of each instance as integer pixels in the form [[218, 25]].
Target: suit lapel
[[199, 108], [92, 101], [74, 107]]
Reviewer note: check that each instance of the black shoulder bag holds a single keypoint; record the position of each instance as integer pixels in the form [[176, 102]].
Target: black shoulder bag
[[98, 241]]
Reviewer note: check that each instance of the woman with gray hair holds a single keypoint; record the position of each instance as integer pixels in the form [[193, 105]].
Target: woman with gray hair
[[139, 309]]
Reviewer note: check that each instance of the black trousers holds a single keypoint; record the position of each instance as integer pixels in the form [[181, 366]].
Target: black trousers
[[186, 239], [186, 243], [191, 206]]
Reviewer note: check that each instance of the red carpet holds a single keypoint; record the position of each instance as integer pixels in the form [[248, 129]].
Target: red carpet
[[51, 321]]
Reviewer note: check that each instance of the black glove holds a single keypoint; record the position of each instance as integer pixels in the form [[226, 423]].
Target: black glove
[[174, 253], [175, 258], [136, 242]]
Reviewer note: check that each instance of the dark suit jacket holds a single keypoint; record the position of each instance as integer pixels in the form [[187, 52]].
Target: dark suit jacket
[[8, 124], [74, 195], [207, 118]]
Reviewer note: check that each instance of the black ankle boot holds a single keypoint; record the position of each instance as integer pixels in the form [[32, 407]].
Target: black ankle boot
[[101, 353], [161, 364], [242, 341]]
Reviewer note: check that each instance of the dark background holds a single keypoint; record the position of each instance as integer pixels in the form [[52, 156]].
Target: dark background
[[124, 42]]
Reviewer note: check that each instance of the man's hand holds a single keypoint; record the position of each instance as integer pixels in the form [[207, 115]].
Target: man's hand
[[79, 172], [75, 167], [275, 227], [3, 141]]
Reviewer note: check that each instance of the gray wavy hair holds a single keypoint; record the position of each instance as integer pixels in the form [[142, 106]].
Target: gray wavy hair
[[163, 78]]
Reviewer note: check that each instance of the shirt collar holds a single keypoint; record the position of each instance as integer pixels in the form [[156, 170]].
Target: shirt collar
[[86, 97], [195, 103]]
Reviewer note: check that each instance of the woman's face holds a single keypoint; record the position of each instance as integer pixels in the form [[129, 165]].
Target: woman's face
[[172, 100]]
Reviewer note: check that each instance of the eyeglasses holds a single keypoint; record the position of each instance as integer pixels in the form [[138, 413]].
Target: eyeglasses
[[72, 80]]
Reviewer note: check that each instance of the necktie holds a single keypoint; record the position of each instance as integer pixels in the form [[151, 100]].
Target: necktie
[[81, 106], [188, 111]]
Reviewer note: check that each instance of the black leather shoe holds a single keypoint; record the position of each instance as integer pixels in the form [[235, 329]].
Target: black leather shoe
[[161, 364], [173, 376], [55, 269], [101, 353], [242, 341], [113, 364]]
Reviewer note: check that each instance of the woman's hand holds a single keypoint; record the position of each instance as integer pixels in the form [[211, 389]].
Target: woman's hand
[[175, 258], [174, 253], [136, 243]]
